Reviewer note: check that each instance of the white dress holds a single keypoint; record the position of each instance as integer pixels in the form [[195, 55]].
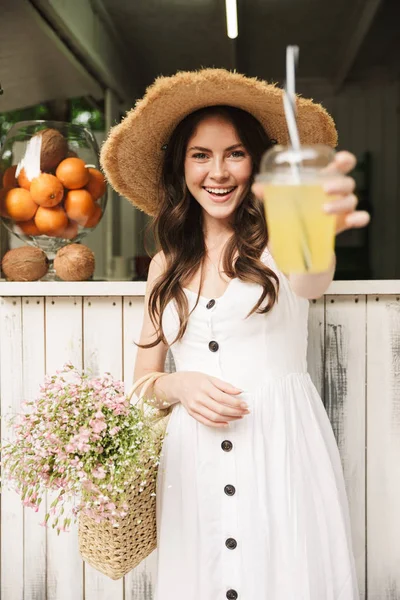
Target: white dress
[[257, 510]]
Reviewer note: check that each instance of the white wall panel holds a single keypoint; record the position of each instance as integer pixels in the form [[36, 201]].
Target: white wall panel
[[354, 362], [383, 447], [63, 344]]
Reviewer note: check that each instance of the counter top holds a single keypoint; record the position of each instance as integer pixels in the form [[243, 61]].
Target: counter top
[[72, 288], [137, 288]]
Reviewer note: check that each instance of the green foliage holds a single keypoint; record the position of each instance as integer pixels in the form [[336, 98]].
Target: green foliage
[[81, 111], [7, 119]]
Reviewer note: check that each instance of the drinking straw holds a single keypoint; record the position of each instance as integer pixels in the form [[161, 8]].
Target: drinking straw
[[289, 96], [289, 103]]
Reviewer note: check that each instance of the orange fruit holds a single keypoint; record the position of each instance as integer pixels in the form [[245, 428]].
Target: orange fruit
[[79, 206], [19, 204], [23, 180], [3, 192], [72, 173], [51, 221], [70, 232], [97, 183], [46, 190], [9, 179], [95, 218], [28, 227]]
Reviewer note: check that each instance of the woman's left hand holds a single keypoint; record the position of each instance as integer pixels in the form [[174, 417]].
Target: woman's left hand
[[344, 202]]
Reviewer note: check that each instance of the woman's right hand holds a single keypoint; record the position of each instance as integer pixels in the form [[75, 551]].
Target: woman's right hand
[[207, 399]]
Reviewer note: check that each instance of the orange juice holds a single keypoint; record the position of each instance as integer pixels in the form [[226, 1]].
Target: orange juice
[[301, 234]]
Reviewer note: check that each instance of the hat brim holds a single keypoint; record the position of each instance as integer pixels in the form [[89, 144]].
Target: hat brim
[[132, 155]]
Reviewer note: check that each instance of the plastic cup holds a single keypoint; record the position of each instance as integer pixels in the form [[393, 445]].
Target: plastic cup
[[301, 234]]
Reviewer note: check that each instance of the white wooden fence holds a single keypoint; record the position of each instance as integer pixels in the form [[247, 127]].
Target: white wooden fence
[[354, 360]]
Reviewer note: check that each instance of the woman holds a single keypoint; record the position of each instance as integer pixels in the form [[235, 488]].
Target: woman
[[251, 500]]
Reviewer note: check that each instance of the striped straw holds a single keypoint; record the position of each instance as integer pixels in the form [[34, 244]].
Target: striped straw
[[289, 96]]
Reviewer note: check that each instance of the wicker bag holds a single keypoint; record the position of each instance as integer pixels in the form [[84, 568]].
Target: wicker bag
[[115, 551]]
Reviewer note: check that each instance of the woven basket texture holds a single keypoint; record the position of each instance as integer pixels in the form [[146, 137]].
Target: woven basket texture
[[114, 551]]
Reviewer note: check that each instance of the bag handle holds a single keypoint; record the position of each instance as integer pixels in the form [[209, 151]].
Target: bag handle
[[147, 381]]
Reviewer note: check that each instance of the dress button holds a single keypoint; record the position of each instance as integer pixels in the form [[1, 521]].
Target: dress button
[[232, 595], [230, 490], [231, 543], [210, 304], [226, 446], [213, 346]]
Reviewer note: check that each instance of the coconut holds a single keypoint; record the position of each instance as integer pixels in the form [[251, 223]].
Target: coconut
[[53, 150], [25, 264], [74, 263]]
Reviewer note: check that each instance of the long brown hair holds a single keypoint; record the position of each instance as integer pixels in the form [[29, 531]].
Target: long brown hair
[[178, 226]]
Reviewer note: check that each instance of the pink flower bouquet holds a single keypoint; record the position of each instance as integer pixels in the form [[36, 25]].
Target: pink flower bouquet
[[83, 439]]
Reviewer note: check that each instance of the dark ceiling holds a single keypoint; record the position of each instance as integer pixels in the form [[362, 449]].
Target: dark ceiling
[[45, 50], [339, 40]]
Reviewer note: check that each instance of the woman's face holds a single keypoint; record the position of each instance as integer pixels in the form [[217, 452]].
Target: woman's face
[[217, 167]]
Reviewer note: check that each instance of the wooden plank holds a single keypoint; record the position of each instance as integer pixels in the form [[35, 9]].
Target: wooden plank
[[345, 373], [33, 369], [72, 288], [12, 517], [139, 583], [137, 288], [102, 353], [63, 343], [383, 447], [369, 286], [316, 343], [133, 308]]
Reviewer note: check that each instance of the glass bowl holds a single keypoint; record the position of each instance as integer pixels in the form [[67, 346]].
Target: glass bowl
[[52, 191]]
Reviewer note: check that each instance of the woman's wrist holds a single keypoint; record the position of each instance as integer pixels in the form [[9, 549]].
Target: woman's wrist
[[313, 285], [162, 391]]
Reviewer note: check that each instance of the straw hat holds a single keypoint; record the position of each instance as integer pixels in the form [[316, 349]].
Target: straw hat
[[132, 155]]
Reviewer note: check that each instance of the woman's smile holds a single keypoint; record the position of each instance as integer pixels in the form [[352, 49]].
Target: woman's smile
[[220, 194]]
